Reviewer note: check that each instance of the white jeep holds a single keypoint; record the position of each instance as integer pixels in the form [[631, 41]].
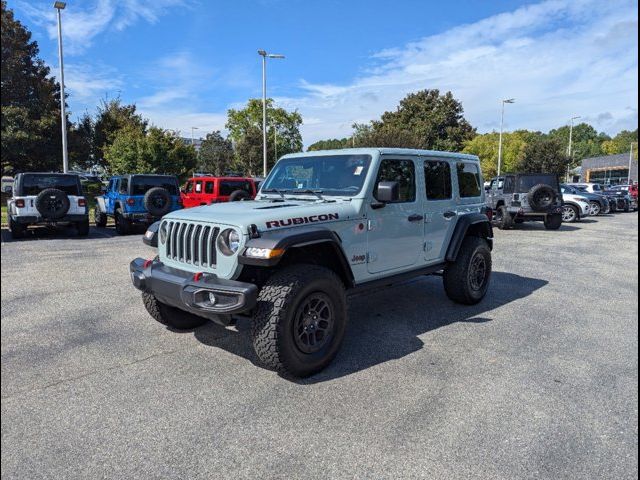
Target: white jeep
[[52, 199]]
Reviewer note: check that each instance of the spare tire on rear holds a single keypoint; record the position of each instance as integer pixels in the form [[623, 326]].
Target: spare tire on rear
[[541, 197], [52, 203], [157, 201], [238, 195]]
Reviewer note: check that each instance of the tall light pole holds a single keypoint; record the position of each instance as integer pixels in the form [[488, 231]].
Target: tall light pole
[[630, 159], [507, 100], [275, 142], [63, 113], [192, 129], [264, 56], [569, 148]]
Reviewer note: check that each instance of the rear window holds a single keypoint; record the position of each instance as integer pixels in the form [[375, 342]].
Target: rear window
[[227, 187], [33, 184], [468, 180], [527, 182], [142, 184]]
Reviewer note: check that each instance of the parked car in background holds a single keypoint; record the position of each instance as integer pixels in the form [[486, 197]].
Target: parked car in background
[[524, 197], [207, 190], [137, 199], [51, 199], [598, 189], [7, 184], [575, 207], [599, 203], [625, 200]]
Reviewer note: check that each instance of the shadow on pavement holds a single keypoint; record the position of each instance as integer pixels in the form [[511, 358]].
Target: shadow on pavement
[[59, 233], [381, 328]]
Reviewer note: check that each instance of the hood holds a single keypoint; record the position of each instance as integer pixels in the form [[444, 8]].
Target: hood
[[269, 214]]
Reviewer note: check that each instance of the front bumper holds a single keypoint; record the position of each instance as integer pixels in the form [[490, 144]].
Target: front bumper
[[37, 219], [202, 294]]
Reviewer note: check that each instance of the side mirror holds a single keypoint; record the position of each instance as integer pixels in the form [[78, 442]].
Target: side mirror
[[8, 190], [388, 192]]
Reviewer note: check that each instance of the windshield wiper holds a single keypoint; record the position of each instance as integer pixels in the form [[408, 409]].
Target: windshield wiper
[[317, 193], [274, 190]]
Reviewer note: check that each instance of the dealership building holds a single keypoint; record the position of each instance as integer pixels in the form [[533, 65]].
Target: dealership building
[[609, 169]]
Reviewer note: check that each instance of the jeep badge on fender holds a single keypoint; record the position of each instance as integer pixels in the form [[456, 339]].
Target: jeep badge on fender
[[324, 223]]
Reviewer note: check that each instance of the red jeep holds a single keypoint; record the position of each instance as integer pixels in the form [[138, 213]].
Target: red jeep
[[207, 190]]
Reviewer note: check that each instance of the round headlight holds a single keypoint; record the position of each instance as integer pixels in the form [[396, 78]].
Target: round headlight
[[229, 241], [163, 232]]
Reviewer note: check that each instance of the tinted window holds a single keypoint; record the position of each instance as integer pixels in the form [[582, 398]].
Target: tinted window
[[140, 184], [333, 174], [189, 187], [208, 187], [33, 184], [437, 179], [509, 185], [227, 187], [403, 172], [468, 180], [124, 185], [527, 182]]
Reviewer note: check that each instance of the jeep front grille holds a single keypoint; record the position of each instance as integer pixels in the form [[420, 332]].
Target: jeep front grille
[[192, 243]]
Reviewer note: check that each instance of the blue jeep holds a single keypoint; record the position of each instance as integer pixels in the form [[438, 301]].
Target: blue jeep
[[137, 199]]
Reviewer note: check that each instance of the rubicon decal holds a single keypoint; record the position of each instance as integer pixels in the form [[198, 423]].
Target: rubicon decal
[[302, 220]]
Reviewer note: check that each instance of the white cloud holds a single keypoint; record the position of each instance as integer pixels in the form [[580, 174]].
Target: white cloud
[[86, 20], [86, 84], [557, 58]]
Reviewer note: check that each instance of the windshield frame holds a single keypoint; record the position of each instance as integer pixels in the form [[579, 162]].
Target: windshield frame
[[363, 169]]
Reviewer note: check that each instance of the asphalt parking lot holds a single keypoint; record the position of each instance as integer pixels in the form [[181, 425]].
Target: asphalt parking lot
[[538, 381]]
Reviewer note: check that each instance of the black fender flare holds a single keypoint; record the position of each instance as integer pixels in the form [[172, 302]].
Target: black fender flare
[[469, 224], [285, 240]]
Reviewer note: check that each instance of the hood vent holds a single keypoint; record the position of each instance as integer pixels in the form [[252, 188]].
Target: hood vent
[[276, 206]]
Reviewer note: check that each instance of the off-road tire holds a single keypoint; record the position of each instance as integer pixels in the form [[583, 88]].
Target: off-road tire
[[83, 228], [157, 201], [171, 316], [458, 284], [541, 197], [52, 203], [99, 217], [553, 222], [505, 219], [239, 195], [17, 230], [123, 226], [278, 312]]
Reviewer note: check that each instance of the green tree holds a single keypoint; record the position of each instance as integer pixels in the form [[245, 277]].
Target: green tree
[[216, 154], [30, 103], [245, 130], [155, 151], [621, 143], [331, 144], [585, 140], [424, 119], [81, 147], [544, 154], [111, 117], [485, 146]]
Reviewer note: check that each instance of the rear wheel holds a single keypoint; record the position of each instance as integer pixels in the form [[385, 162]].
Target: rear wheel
[[123, 226], [569, 214], [300, 320], [83, 228], [171, 316], [553, 222], [17, 229], [99, 217], [467, 279]]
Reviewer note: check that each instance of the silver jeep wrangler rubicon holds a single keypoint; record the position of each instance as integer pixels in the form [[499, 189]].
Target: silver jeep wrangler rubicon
[[323, 225]]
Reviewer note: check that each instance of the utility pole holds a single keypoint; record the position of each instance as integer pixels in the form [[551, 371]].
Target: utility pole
[[63, 111], [264, 56], [630, 162], [508, 100]]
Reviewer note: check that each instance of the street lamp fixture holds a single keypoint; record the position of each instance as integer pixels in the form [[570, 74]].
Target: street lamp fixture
[[265, 55], [65, 156], [506, 100]]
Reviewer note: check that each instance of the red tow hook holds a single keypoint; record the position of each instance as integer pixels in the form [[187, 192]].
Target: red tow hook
[[197, 276], [147, 263]]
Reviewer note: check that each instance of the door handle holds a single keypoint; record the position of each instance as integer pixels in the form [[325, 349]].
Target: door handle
[[415, 218], [449, 214]]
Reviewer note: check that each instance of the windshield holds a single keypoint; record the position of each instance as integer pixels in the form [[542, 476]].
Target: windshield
[[33, 184], [140, 184], [341, 175], [527, 182]]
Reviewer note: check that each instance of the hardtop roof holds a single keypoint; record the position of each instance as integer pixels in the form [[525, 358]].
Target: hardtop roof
[[385, 151]]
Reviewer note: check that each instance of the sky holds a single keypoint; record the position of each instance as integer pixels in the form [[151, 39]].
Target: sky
[[185, 62]]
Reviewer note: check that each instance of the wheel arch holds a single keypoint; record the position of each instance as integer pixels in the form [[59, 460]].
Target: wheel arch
[[472, 224]]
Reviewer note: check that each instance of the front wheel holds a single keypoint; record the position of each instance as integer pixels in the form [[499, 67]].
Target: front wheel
[[594, 208], [569, 214], [171, 316], [99, 217], [467, 279], [123, 226], [503, 219], [300, 320]]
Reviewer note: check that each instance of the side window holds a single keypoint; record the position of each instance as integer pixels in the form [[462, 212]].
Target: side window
[[116, 182], [403, 172], [124, 186], [468, 180], [208, 188], [437, 179], [110, 186], [509, 184], [189, 187], [199, 186]]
